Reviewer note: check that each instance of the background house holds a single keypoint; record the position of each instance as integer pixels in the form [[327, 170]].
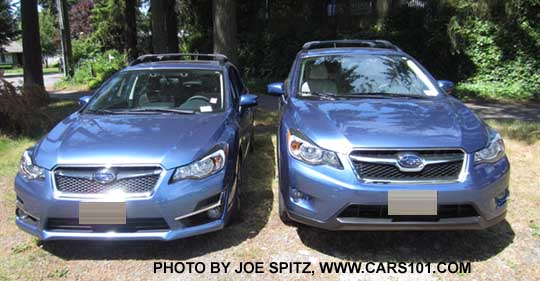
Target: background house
[[12, 55]]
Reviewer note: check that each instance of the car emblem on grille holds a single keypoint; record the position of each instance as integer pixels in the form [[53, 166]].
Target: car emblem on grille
[[410, 162], [104, 176]]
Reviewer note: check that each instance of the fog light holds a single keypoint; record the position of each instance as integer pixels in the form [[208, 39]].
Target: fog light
[[501, 199], [21, 214], [214, 213], [298, 195]]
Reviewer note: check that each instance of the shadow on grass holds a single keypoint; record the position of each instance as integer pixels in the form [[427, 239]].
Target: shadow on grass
[[405, 246], [256, 197]]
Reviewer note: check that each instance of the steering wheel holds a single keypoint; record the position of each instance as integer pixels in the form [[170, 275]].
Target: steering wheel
[[198, 98]]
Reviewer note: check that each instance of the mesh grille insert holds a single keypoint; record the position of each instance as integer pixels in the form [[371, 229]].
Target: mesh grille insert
[[128, 180], [388, 172]]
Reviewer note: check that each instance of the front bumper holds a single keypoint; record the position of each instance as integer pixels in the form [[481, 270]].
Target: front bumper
[[168, 203], [327, 192]]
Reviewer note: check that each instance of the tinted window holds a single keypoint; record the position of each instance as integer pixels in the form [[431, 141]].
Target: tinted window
[[196, 90], [364, 74], [236, 83]]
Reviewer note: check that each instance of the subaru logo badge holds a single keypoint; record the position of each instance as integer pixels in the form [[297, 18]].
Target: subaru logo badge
[[104, 176], [410, 162]]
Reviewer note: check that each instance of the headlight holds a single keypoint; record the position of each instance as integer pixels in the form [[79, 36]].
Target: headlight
[[494, 150], [203, 168], [28, 170], [308, 152]]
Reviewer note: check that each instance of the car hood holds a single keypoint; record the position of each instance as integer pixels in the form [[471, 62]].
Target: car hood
[[390, 123], [169, 140]]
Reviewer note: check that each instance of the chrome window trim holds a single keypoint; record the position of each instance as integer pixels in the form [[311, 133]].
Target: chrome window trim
[[105, 197], [461, 177]]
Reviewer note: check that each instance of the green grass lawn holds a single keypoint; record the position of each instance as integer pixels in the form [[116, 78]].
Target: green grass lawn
[[19, 71]]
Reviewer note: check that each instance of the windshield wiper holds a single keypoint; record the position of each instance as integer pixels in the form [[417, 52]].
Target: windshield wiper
[[165, 110], [101, 111], [327, 96]]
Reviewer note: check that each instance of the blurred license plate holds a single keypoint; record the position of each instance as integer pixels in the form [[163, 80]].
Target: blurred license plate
[[102, 213], [412, 203]]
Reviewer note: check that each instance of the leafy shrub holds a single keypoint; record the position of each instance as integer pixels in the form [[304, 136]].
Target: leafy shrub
[[93, 72], [23, 110], [501, 38], [84, 48]]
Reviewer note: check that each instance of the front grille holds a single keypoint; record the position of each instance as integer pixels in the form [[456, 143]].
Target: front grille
[[80, 180], [132, 225], [375, 171], [381, 212]]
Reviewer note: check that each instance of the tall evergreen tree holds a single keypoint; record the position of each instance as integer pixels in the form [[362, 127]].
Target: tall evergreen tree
[[164, 26], [225, 32], [131, 28], [33, 70], [8, 27]]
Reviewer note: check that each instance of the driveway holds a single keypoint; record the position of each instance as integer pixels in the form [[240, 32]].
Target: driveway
[[48, 79]]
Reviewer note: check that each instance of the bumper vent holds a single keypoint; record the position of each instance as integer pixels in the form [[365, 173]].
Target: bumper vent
[[129, 180], [381, 212], [132, 225], [384, 166]]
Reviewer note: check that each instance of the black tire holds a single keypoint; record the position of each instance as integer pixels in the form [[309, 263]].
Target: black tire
[[252, 141], [234, 211], [283, 216]]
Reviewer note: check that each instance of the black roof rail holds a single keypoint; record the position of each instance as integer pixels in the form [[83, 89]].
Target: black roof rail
[[179, 57], [381, 44]]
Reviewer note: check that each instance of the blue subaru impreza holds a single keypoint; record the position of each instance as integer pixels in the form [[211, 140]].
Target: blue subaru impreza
[[368, 140], [156, 153]]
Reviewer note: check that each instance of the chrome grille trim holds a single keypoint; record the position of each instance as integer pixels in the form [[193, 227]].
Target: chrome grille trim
[[393, 162], [139, 171]]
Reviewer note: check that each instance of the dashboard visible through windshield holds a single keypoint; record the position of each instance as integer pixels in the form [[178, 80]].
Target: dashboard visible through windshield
[[363, 75], [175, 91]]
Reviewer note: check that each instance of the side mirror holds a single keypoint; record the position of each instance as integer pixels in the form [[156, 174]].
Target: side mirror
[[275, 89], [84, 100], [447, 86], [248, 100]]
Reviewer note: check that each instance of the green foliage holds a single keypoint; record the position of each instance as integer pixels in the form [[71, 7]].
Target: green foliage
[[47, 32], [488, 46], [108, 24], [84, 48], [502, 41], [8, 26], [93, 72]]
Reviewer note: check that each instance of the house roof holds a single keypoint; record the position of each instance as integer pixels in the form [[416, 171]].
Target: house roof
[[14, 47]]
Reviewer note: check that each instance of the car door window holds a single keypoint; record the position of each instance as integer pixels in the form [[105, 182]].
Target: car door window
[[236, 84]]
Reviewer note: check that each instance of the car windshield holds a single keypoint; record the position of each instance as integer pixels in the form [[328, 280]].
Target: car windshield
[[184, 91], [360, 76]]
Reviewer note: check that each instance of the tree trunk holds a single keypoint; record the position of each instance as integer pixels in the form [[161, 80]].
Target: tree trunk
[[33, 70], [65, 32], [172, 27], [225, 41], [383, 7], [164, 26], [131, 29]]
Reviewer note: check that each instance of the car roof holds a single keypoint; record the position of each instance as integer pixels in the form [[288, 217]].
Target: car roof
[[180, 64], [350, 50], [349, 46]]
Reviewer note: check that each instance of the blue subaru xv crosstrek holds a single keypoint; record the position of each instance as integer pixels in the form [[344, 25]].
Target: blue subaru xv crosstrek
[[368, 140], [156, 153]]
